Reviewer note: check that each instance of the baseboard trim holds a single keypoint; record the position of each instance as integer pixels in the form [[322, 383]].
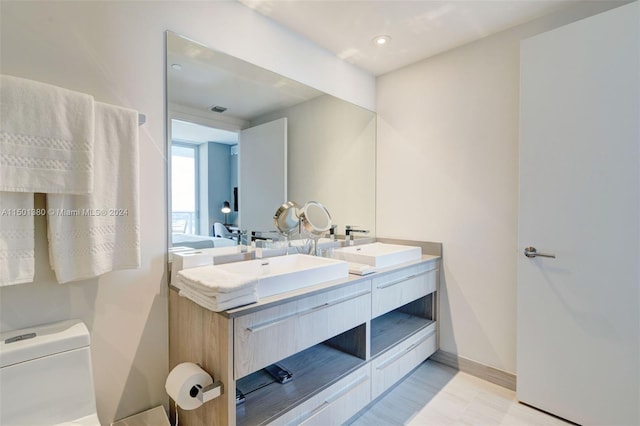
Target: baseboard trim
[[490, 374]]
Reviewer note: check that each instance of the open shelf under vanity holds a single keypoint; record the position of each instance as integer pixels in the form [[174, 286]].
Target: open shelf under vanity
[[313, 369], [387, 330]]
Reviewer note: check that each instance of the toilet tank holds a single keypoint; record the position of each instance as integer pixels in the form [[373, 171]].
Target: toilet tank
[[45, 375]]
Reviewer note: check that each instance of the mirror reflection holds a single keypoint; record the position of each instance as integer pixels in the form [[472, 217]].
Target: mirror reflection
[[245, 140]]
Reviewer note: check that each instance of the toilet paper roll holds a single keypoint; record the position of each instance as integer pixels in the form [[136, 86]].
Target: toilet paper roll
[[184, 383]]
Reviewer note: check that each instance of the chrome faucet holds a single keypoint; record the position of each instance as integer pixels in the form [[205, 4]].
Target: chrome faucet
[[332, 232], [348, 230]]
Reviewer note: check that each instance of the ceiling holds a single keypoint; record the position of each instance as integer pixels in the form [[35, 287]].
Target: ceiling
[[207, 78], [418, 28], [193, 133], [199, 78]]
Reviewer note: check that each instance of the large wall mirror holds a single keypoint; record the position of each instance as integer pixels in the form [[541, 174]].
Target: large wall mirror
[[244, 140]]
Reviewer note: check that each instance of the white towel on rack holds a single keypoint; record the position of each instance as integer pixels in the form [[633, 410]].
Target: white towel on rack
[[210, 280], [104, 234], [16, 238], [46, 138]]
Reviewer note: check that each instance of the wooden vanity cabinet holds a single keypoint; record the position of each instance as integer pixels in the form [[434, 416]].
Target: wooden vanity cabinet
[[395, 289], [269, 335], [345, 342]]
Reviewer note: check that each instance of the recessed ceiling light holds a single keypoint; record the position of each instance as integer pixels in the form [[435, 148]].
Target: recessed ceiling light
[[176, 66], [381, 40]]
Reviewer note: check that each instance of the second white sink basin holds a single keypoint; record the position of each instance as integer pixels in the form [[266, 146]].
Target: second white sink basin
[[379, 255], [286, 273]]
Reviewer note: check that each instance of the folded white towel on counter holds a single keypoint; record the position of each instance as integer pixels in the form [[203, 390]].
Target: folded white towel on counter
[[211, 280], [214, 298], [46, 138], [90, 235], [220, 297], [16, 238], [212, 303]]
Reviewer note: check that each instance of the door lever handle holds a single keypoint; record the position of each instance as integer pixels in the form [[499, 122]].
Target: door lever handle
[[531, 252]]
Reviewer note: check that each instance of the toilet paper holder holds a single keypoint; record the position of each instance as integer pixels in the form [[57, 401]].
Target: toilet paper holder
[[207, 393], [190, 386]]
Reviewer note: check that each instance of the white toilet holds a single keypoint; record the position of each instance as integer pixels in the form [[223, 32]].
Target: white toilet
[[46, 377]]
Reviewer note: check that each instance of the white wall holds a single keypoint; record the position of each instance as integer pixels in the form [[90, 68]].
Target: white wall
[[448, 153], [115, 51], [331, 158]]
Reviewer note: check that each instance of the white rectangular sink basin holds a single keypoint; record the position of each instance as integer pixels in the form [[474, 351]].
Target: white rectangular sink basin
[[286, 273], [378, 255]]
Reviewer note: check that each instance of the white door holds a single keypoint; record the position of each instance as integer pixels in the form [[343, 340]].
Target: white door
[[578, 328], [262, 174]]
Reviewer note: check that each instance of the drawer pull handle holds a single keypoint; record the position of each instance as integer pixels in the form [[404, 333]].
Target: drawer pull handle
[[348, 388], [399, 355], [315, 411], [330, 400], [325, 305], [411, 347], [398, 281]]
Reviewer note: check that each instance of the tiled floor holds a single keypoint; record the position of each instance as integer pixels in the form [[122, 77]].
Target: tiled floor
[[435, 394]]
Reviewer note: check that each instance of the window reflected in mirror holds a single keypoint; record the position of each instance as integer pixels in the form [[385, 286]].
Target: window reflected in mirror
[[183, 188]]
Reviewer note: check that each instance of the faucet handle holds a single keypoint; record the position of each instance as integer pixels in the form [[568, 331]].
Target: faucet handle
[[352, 228], [349, 229]]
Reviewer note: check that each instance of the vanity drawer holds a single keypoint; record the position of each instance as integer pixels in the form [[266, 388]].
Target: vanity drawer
[[264, 337], [334, 405], [399, 288], [394, 364]]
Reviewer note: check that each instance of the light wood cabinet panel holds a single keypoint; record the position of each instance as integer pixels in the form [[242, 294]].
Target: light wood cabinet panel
[[394, 364], [346, 401], [399, 288], [269, 335], [334, 405], [203, 337]]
